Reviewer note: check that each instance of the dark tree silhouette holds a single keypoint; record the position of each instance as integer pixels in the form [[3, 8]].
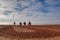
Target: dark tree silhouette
[[14, 23], [24, 23], [20, 23], [29, 23]]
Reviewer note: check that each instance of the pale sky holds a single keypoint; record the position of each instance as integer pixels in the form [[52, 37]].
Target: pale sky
[[36, 11]]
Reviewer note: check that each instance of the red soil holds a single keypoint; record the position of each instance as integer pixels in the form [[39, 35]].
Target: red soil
[[9, 31]]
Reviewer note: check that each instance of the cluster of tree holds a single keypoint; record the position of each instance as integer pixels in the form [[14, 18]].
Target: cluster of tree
[[29, 23]]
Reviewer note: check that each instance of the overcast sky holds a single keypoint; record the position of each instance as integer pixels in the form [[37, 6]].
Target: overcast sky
[[36, 11]]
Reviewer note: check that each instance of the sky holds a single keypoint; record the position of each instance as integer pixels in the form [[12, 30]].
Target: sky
[[37, 11]]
